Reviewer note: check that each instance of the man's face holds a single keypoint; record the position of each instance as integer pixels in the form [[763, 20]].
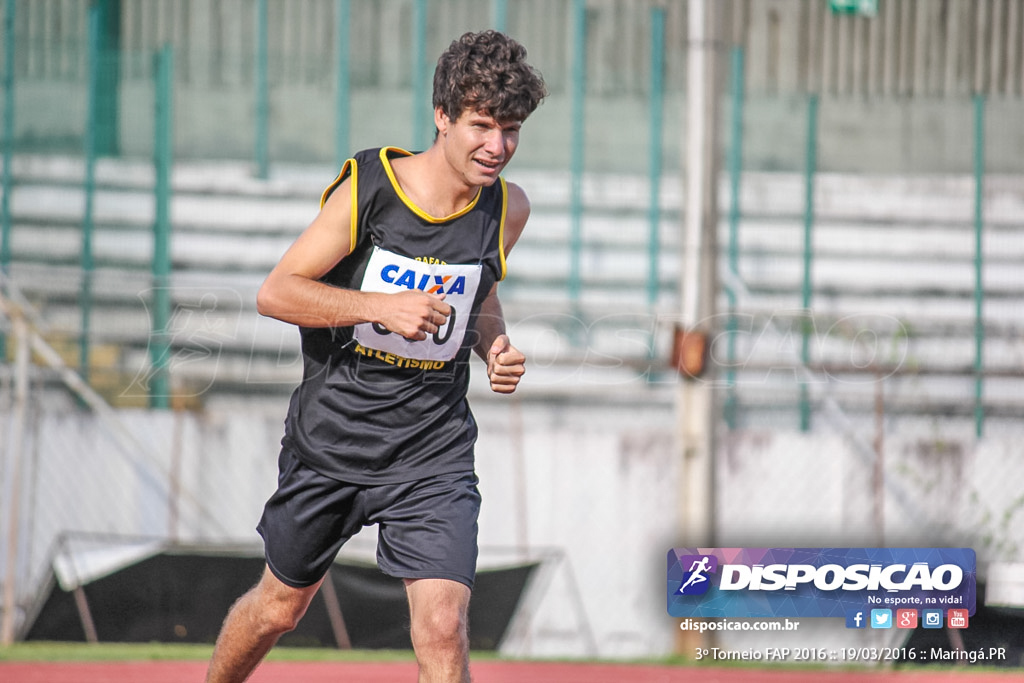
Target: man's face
[[477, 146]]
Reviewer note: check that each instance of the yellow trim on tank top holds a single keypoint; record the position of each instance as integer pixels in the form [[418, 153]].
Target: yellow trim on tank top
[[354, 213], [501, 227]]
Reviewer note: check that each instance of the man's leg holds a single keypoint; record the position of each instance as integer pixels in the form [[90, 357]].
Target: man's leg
[[439, 610], [254, 624]]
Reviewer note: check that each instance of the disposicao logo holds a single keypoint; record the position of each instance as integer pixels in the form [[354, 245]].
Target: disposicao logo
[[819, 582]]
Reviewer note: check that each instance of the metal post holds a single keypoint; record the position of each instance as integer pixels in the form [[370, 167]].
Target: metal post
[[163, 161], [342, 108], [107, 102], [20, 419], [577, 144], [85, 615], [261, 141], [696, 414], [696, 124], [420, 103], [89, 184], [8, 142], [654, 153], [696, 398], [979, 270], [334, 615], [500, 21], [735, 173], [5, 200], [806, 291]]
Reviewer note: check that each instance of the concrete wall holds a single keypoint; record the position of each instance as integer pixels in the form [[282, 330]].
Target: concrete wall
[[589, 484]]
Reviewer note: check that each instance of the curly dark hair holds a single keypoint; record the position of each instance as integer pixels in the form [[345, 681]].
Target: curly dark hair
[[487, 72]]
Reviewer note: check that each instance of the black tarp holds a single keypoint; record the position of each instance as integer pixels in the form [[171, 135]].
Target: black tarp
[[183, 597]]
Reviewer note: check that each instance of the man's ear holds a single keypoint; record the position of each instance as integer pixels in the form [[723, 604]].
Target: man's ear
[[441, 120]]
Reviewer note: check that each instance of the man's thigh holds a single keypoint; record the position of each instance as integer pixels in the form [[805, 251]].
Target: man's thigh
[[428, 528], [306, 521]]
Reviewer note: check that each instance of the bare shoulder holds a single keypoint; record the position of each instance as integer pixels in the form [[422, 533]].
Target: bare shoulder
[[517, 215], [327, 240]]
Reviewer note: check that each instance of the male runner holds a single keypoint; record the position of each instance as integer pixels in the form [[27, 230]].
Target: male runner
[[393, 286]]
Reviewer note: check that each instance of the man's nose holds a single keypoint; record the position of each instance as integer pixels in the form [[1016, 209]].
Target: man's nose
[[495, 143]]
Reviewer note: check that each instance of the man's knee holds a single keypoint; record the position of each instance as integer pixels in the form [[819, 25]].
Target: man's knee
[[281, 618], [448, 622], [439, 609], [278, 608], [442, 628]]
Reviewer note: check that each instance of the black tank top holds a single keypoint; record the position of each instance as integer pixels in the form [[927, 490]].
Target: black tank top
[[373, 407]]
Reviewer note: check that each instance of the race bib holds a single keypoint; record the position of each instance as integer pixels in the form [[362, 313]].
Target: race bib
[[391, 273]]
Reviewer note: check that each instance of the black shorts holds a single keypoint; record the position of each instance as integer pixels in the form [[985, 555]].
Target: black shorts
[[426, 529]]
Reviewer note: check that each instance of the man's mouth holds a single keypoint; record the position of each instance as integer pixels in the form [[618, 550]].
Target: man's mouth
[[490, 165]]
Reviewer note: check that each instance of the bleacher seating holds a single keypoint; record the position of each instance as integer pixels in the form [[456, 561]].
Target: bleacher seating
[[892, 288]]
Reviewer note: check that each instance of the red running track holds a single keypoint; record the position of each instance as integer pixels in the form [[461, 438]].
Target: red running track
[[483, 672]]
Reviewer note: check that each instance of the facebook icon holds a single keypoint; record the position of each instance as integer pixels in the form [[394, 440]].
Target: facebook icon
[[856, 619]]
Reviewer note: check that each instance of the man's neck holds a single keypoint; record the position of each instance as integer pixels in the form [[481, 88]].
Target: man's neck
[[428, 182]]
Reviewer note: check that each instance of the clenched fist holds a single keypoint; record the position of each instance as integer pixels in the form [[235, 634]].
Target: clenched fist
[[505, 365]]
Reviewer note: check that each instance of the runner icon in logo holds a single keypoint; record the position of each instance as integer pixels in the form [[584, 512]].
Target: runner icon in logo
[[696, 581]]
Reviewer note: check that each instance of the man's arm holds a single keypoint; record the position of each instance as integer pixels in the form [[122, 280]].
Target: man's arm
[[505, 363], [293, 294]]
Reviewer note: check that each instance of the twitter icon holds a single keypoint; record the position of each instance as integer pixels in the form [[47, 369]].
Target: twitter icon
[[881, 618]]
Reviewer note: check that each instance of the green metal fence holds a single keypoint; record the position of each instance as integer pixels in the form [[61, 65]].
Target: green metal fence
[[100, 137]]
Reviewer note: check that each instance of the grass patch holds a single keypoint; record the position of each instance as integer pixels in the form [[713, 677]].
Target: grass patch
[[101, 652], [134, 652]]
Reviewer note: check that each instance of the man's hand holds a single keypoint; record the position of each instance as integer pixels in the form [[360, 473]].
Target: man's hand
[[505, 365], [414, 314]]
